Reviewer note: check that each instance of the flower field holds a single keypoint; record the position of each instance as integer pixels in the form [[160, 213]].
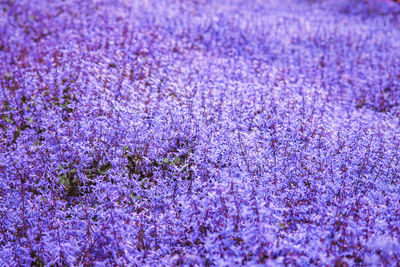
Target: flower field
[[199, 133]]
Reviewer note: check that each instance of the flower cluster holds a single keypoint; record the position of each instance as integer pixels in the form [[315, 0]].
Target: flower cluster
[[199, 132]]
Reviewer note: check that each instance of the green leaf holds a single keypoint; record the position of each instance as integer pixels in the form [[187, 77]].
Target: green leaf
[[63, 180], [166, 160], [104, 168], [135, 196], [8, 119], [89, 173]]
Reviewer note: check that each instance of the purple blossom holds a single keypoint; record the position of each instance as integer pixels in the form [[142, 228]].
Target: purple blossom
[[199, 132]]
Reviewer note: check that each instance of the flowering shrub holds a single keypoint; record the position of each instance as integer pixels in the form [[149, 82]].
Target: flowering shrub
[[168, 132]]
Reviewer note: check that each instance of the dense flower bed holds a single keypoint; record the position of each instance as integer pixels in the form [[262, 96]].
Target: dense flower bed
[[199, 132]]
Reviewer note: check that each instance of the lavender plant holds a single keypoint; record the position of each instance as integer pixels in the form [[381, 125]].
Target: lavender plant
[[201, 132]]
